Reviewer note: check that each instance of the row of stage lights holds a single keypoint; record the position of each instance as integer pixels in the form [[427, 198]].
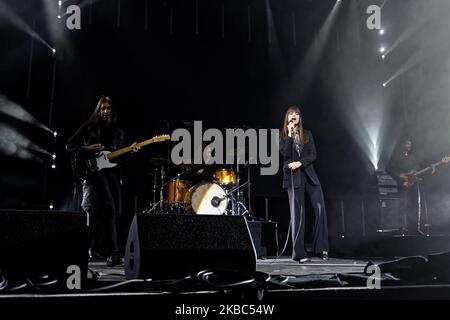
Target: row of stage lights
[[55, 133], [383, 52], [59, 9], [382, 48], [53, 165]]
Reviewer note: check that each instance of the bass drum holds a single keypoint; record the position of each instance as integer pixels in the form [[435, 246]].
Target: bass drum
[[206, 198]]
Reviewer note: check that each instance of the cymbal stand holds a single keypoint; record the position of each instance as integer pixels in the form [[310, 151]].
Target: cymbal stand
[[237, 186], [250, 212], [236, 203], [155, 184], [161, 190], [240, 196], [157, 207]]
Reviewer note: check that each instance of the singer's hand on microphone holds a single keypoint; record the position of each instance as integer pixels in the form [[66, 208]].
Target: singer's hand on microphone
[[291, 127], [294, 165]]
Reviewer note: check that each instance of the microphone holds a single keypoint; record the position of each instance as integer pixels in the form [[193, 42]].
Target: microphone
[[215, 201]]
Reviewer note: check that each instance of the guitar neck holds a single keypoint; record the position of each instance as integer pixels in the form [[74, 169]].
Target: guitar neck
[[125, 150], [429, 168]]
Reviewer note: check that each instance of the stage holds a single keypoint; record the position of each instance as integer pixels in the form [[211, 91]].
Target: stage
[[283, 266], [281, 287], [181, 135]]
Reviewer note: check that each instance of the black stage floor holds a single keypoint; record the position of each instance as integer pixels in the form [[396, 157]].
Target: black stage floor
[[291, 283], [281, 266]]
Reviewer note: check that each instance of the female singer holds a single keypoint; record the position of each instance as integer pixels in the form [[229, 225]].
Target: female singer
[[299, 152]]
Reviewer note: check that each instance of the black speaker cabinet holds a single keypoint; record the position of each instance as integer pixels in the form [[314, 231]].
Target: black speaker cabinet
[[264, 236], [43, 243], [391, 215], [167, 246]]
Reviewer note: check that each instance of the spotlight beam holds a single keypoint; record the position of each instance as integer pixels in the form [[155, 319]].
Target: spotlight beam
[[424, 18], [18, 112], [305, 69], [12, 17], [14, 144], [314, 53]]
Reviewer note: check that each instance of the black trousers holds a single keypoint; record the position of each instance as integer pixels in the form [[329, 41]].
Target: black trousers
[[297, 210], [410, 209], [103, 202]]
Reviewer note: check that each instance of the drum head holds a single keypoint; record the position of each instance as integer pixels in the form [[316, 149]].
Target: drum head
[[208, 198]]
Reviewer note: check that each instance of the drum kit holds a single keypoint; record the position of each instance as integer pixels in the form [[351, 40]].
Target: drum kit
[[221, 193]]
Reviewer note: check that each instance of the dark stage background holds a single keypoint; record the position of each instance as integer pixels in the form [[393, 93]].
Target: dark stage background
[[230, 64]]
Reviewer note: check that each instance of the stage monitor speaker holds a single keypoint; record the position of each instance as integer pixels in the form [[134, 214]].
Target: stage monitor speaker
[[167, 246], [391, 215], [264, 236], [43, 243]]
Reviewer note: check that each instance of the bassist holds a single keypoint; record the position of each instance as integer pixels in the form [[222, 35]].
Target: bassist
[[402, 166]]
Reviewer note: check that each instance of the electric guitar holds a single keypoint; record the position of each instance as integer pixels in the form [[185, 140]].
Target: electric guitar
[[410, 178], [102, 159]]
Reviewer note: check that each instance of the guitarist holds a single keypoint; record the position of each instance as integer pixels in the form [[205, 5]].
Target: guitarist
[[402, 166], [101, 190]]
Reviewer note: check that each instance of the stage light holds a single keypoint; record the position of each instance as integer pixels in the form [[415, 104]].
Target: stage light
[[58, 16], [59, 3], [384, 84], [382, 49], [54, 50], [54, 156], [55, 133], [383, 56], [50, 206], [381, 31], [53, 166]]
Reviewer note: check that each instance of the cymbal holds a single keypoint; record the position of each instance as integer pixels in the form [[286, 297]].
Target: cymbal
[[187, 166], [188, 123], [241, 126], [236, 151], [157, 162]]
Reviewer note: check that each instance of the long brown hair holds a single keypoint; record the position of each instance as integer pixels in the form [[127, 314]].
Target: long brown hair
[[95, 116], [285, 134]]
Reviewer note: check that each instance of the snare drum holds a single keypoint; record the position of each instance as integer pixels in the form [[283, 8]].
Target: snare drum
[[225, 177], [206, 198], [176, 192]]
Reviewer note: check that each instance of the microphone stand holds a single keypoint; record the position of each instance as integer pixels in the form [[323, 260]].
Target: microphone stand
[[249, 209]]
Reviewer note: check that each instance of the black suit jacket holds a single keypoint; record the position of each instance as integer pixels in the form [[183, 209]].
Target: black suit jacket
[[307, 157]]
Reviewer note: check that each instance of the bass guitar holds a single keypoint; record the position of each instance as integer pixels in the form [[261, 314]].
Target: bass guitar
[[411, 177]]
